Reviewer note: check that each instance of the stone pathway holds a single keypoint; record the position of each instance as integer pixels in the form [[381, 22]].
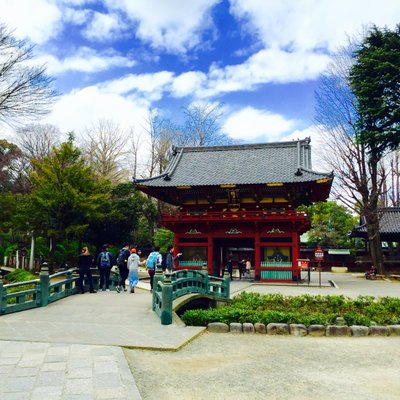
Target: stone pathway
[[44, 371]]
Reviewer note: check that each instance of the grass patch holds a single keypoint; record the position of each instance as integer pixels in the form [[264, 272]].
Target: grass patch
[[305, 309]]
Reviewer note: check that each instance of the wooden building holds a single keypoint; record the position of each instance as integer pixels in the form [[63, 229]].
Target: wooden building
[[240, 202], [389, 230]]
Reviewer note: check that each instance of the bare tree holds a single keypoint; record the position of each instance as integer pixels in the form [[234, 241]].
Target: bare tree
[[202, 125], [133, 155], [360, 179], [25, 91], [105, 145], [38, 140]]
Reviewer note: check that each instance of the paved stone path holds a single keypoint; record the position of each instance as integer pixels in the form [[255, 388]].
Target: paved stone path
[[71, 349]]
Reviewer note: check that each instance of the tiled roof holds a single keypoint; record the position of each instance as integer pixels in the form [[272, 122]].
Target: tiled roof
[[389, 223], [286, 162]]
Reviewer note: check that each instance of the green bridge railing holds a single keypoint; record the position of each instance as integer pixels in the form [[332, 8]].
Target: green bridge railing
[[40, 292], [168, 287]]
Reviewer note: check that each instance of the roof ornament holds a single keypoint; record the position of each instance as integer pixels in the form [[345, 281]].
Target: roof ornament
[[298, 172], [171, 152], [167, 177]]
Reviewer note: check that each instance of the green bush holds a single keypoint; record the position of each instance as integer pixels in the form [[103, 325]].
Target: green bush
[[19, 275], [305, 309]]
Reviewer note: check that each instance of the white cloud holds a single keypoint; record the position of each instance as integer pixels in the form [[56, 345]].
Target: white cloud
[[266, 66], [150, 86], [173, 25], [311, 24], [187, 83], [76, 17], [85, 60], [252, 124], [81, 108], [38, 23], [104, 27]]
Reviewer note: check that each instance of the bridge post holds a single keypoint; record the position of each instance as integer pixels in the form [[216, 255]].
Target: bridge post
[[158, 276], [1, 296], [44, 285], [166, 296], [227, 284], [205, 268]]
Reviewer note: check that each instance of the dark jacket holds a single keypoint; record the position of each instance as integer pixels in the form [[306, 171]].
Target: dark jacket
[[85, 261], [126, 253], [169, 261]]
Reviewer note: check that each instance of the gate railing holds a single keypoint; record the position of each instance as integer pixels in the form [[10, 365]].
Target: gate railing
[[168, 287]]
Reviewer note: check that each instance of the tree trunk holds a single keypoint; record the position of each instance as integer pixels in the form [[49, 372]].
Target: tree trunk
[[375, 245]]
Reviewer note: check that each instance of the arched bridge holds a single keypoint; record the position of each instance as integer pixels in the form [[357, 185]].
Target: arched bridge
[[169, 287]]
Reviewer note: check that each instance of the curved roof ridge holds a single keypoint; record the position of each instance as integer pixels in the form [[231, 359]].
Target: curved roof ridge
[[317, 172], [172, 166], [304, 142]]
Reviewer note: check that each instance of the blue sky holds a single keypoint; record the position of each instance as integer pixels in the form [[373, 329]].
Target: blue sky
[[260, 59]]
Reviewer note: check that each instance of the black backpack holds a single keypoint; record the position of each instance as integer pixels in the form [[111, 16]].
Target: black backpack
[[164, 261], [121, 257]]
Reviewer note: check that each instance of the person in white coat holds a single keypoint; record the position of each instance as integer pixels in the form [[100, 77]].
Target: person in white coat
[[133, 267]]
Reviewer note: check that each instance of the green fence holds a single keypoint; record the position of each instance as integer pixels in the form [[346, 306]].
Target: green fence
[[169, 287], [276, 275], [40, 292]]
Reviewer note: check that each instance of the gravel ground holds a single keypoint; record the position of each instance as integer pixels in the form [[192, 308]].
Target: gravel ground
[[225, 366]]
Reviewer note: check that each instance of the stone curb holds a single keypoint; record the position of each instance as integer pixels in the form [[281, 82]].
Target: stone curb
[[301, 330]]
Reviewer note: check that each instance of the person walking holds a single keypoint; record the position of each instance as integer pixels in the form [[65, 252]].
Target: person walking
[[122, 263], [248, 268], [133, 267], [153, 261], [170, 259], [229, 268], [85, 261], [242, 268], [104, 263]]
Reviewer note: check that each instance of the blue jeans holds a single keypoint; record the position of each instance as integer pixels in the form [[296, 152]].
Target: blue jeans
[[104, 278]]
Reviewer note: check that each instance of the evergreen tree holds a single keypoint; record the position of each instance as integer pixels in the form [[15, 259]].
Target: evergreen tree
[[66, 196]]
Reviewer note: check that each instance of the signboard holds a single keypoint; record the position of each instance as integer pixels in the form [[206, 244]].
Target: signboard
[[303, 264], [319, 254]]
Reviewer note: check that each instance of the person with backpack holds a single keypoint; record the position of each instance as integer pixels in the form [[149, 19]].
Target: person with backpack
[[122, 263], [168, 261], [153, 261], [104, 263]]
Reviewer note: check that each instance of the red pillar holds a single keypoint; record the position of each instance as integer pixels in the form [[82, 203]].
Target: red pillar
[[176, 244], [295, 252], [210, 252], [257, 255]]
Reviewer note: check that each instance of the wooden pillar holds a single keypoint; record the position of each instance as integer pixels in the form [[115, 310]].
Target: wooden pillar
[[295, 253], [210, 252], [176, 249], [257, 253]]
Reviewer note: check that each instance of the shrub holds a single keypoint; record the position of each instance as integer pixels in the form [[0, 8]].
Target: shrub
[[19, 275], [305, 309]]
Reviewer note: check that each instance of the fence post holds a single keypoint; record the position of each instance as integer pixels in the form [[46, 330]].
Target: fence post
[[1, 296], [158, 276], [227, 284], [44, 285], [166, 302]]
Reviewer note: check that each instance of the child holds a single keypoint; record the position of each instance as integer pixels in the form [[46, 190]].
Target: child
[[133, 267]]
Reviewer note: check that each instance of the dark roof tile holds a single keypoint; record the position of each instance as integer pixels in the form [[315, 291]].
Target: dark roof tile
[[240, 164]]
